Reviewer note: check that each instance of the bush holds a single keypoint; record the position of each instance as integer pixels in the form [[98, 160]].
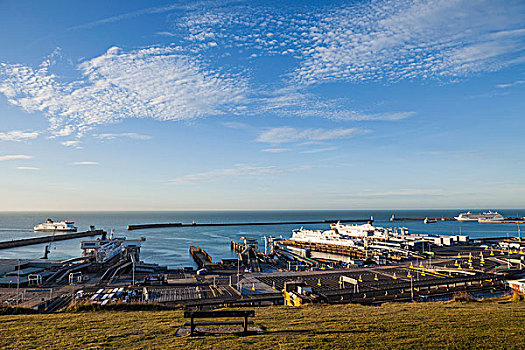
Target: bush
[[10, 310], [90, 307]]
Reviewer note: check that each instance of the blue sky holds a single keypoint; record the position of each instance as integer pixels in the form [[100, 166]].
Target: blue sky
[[262, 105]]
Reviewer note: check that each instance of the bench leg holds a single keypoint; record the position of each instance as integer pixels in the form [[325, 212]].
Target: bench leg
[[245, 324], [192, 327]]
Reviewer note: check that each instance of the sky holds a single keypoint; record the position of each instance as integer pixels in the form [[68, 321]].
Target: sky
[[163, 105]]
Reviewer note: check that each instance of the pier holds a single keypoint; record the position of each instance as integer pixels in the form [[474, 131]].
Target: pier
[[200, 256], [193, 224], [50, 238]]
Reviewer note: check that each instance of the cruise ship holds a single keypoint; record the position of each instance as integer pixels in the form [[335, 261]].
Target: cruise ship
[[50, 225], [490, 215]]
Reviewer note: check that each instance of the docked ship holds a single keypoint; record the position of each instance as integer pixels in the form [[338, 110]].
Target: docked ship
[[485, 216], [359, 231], [322, 236], [102, 250], [50, 226]]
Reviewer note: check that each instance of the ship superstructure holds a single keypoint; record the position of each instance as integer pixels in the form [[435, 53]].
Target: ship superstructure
[[489, 215], [59, 226]]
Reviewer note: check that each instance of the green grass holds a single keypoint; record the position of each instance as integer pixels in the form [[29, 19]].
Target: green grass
[[403, 325]]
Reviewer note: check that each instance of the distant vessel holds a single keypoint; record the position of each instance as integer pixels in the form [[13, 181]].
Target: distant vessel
[[50, 225], [429, 221], [485, 216]]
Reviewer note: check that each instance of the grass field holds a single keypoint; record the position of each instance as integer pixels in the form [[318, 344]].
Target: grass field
[[403, 325]]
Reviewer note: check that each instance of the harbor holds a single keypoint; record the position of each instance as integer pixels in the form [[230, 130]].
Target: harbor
[[341, 262]]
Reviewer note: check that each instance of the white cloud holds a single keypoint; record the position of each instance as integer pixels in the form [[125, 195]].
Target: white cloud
[[373, 40], [235, 125], [131, 135], [15, 156], [27, 168], [408, 192], [157, 82], [515, 83], [318, 150], [85, 163], [17, 135], [71, 143], [240, 170], [288, 134], [275, 150]]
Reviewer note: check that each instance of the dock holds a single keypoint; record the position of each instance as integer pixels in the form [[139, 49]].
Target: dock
[[193, 224], [200, 256], [49, 238]]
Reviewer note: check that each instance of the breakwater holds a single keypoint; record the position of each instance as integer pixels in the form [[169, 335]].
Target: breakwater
[[46, 239], [193, 224]]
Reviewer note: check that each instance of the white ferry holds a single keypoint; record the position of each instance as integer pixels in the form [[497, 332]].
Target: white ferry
[[50, 225], [321, 236], [359, 231], [468, 216]]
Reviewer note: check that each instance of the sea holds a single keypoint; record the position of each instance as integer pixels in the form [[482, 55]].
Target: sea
[[169, 246]]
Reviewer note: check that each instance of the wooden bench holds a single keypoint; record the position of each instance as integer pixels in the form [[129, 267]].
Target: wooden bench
[[219, 314]]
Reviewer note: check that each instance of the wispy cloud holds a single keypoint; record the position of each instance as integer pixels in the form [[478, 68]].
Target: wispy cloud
[[293, 101], [159, 82], [14, 157], [17, 135], [236, 125], [71, 143], [275, 150], [288, 134], [146, 11], [507, 85], [130, 135], [408, 192], [85, 163], [27, 168], [378, 40], [318, 150], [239, 170]]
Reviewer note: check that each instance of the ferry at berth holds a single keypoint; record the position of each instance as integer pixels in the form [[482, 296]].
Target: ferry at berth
[[368, 237], [485, 216], [324, 237], [51, 226]]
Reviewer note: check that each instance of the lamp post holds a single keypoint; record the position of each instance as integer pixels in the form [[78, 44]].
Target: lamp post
[[18, 283]]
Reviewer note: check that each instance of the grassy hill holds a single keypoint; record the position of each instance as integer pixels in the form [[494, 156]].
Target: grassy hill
[[421, 326]]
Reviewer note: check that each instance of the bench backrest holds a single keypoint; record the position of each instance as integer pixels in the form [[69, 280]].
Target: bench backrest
[[220, 313]]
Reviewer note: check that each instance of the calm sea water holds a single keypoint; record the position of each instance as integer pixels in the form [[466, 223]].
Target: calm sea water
[[169, 246]]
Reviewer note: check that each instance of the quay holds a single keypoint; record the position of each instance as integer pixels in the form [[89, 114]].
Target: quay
[[193, 224], [50, 238], [200, 256]]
